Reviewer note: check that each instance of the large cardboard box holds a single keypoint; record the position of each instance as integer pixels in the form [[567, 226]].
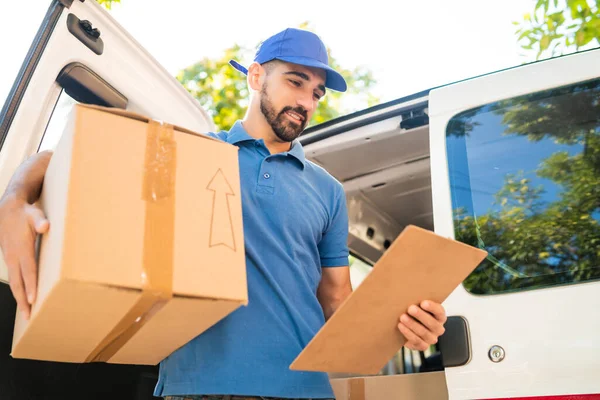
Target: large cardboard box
[[145, 249], [422, 386]]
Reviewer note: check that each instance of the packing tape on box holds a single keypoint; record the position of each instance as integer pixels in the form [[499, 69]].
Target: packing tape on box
[[157, 272], [356, 389]]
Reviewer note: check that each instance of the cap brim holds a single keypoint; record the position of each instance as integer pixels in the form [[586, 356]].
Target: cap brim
[[333, 80], [239, 67]]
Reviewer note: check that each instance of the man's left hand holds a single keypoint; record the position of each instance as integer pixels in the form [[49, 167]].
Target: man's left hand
[[423, 325]]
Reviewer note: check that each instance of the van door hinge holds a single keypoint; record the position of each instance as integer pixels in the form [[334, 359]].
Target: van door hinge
[[89, 29], [414, 118], [85, 33]]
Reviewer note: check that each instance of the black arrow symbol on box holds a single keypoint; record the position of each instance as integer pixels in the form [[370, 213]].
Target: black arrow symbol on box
[[221, 224]]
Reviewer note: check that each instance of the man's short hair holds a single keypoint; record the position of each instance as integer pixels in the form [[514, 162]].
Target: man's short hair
[[270, 65]]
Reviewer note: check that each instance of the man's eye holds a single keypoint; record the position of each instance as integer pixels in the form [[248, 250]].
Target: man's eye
[[317, 97], [296, 83]]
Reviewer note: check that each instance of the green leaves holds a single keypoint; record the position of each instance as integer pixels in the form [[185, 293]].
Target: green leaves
[[559, 27], [544, 42], [108, 3], [218, 87]]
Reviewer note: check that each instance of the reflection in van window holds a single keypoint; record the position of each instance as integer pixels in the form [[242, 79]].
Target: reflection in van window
[[525, 184]]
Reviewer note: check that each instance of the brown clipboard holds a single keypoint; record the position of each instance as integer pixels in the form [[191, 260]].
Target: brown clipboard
[[362, 335]]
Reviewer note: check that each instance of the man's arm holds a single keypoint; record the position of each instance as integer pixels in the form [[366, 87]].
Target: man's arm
[[26, 183], [20, 223], [335, 286]]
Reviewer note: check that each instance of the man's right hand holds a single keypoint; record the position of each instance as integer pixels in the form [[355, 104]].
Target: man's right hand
[[20, 223]]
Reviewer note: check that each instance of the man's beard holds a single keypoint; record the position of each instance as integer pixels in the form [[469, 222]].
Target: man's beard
[[285, 129]]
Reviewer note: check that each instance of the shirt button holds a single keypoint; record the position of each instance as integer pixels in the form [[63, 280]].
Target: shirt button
[[266, 176]]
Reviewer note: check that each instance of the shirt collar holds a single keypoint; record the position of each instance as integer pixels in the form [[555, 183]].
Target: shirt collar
[[238, 134], [298, 152]]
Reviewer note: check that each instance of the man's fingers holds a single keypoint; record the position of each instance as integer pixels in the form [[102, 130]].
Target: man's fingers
[[16, 286], [40, 225], [412, 340], [20, 224], [29, 274], [421, 331], [38, 219], [428, 320], [436, 309]]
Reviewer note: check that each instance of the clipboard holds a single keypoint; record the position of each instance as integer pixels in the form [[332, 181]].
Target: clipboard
[[362, 335]]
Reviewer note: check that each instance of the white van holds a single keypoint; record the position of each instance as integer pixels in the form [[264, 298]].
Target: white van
[[509, 162]]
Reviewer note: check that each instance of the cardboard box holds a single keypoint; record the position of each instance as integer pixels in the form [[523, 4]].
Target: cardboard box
[[145, 249], [422, 386], [362, 335]]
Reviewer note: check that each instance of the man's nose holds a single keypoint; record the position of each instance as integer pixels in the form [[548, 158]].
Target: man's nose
[[307, 102]]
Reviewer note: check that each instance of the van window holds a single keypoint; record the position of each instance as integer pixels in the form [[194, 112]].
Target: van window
[[58, 121], [525, 186]]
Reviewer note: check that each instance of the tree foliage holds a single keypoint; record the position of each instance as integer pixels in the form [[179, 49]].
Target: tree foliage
[[108, 3], [556, 27]]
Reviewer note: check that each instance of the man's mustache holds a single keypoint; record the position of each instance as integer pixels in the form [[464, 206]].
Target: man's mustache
[[298, 110]]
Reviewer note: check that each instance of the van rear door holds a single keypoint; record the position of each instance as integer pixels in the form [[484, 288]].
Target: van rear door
[[515, 168]]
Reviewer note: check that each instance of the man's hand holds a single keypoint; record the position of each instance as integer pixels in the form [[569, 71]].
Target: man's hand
[[423, 325], [20, 223]]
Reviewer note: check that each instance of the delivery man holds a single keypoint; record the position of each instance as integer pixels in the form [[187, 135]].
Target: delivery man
[[295, 227]]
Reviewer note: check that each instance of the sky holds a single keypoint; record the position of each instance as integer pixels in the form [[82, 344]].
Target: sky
[[409, 45]]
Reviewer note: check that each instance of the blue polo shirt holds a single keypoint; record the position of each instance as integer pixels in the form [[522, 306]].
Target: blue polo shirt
[[295, 223]]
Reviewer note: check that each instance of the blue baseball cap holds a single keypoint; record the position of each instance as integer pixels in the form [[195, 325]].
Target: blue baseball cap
[[301, 47]]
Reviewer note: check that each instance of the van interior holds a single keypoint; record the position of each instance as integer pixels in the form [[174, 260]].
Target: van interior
[[381, 156], [382, 159]]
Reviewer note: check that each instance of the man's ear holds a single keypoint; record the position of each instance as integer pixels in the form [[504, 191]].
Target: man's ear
[[256, 73]]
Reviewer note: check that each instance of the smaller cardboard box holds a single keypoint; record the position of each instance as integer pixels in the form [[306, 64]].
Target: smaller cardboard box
[[363, 335], [422, 386], [145, 249]]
